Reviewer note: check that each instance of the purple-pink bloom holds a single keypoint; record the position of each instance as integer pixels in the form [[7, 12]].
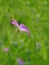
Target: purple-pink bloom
[[24, 28], [20, 61], [6, 49], [14, 22], [21, 27]]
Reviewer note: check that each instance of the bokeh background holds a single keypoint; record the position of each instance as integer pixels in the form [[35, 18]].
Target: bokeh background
[[33, 49]]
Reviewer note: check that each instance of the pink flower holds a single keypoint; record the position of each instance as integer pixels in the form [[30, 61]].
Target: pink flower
[[14, 22], [6, 49], [21, 27], [20, 61]]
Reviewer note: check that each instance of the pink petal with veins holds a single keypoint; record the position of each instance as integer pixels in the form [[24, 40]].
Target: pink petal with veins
[[14, 22]]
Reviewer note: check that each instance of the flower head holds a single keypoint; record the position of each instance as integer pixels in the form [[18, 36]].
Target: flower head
[[14, 22], [24, 28], [6, 49], [20, 61], [21, 27]]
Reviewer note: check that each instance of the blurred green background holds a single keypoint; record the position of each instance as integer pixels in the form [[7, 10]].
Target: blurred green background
[[33, 49]]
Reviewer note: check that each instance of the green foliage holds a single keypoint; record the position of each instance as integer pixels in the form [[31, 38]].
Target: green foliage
[[35, 15]]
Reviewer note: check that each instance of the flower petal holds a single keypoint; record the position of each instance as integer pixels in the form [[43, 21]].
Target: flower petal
[[24, 28], [20, 61], [6, 49], [14, 22]]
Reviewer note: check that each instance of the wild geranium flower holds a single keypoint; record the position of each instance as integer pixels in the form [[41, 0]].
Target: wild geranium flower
[[20, 61], [21, 27]]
